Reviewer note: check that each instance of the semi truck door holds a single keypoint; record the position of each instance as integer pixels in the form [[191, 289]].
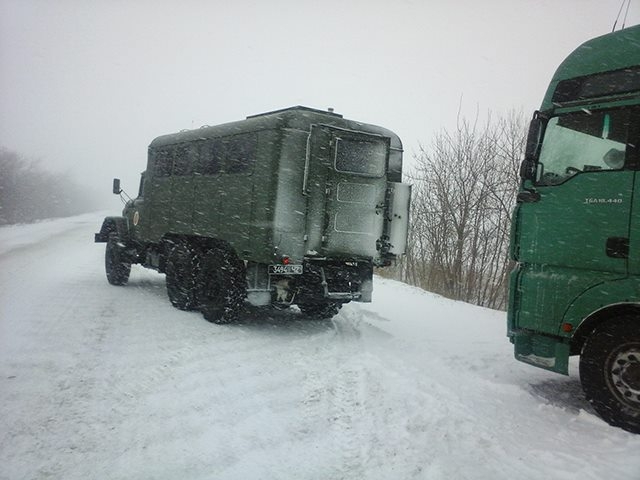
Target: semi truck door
[[579, 217], [572, 225], [583, 223], [347, 186]]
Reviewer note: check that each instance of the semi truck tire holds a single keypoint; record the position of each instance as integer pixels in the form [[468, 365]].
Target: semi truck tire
[[610, 372], [116, 265]]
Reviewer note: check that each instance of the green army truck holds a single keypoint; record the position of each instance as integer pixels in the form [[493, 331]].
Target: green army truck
[[291, 207], [576, 228]]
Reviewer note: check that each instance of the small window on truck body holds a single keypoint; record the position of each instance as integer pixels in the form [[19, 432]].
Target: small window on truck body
[[209, 157], [163, 162], [584, 141], [233, 154], [361, 156], [240, 153], [185, 156]]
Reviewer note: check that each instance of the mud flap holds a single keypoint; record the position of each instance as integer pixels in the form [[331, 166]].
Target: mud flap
[[542, 351]]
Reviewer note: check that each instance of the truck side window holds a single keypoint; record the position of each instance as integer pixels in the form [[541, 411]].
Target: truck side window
[[210, 157], [185, 157], [163, 163], [240, 153], [234, 154], [141, 187], [584, 141]]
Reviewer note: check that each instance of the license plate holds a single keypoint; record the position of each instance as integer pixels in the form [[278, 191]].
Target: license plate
[[285, 269]]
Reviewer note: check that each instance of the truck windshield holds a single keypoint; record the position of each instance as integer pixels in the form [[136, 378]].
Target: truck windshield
[[361, 157], [585, 141]]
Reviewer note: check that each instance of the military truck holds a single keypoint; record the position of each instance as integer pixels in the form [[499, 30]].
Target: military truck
[[290, 207]]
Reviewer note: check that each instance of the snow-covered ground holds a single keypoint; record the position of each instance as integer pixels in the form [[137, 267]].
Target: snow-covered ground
[[103, 382]]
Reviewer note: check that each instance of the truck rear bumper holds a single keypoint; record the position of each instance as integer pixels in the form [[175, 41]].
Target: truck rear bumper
[[338, 280]]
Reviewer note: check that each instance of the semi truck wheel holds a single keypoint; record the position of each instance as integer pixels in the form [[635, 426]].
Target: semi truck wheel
[[115, 263], [181, 276], [324, 310], [610, 372], [222, 285]]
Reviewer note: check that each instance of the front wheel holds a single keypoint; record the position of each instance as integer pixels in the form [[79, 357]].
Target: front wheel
[[610, 372], [116, 264]]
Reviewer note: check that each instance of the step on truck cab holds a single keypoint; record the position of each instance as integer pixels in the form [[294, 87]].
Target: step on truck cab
[[575, 289], [291, 207]]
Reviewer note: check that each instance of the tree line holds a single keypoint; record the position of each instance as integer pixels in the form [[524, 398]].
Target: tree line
[[464, 187], [29, 193]]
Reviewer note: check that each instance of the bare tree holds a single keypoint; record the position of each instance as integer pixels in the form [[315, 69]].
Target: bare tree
[[28, 192], [465, 185]]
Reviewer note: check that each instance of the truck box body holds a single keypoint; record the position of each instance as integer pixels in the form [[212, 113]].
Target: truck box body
[[270, 185], [295, 206]]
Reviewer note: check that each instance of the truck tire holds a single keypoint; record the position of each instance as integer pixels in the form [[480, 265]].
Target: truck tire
[[222, 285], [116, 265], [181, 273], [610, 372], [324, 310]]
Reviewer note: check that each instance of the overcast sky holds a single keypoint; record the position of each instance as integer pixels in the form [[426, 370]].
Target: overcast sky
[[86, 85]]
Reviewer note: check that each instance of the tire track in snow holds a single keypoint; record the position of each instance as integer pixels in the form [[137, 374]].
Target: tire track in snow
[[335, 392], [348, 411]]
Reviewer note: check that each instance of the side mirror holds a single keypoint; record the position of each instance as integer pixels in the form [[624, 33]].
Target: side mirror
[[528, 166], [116, 186], [528, 169]]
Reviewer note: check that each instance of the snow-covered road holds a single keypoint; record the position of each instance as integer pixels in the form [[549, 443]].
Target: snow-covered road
[[103, 382]]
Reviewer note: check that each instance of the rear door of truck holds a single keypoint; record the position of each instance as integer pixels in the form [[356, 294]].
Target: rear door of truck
[[346, 183]]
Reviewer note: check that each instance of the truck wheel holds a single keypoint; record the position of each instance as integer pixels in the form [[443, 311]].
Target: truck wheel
[[222, 286], [610, 372], [181, 272], [325, 310], [115, 263]]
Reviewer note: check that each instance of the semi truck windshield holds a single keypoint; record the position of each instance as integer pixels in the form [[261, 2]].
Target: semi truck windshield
[[584, 141]]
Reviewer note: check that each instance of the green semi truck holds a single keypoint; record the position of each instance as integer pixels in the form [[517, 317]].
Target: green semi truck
[[575, 239], [291, 207]]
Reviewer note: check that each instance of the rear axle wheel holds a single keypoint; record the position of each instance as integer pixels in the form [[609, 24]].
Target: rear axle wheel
[[222, 285], [182, 264]]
